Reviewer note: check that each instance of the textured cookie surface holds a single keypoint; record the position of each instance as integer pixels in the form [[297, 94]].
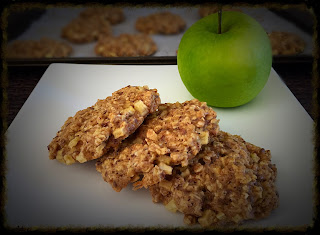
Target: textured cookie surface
[[171, 136], [91, 132], [228, 182], [160, 23], [86, 29], [125, 45], [286, 43], [43, 48], [113, 14]]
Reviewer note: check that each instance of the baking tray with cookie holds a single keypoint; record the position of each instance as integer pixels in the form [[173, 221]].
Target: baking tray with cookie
[[132, 35]]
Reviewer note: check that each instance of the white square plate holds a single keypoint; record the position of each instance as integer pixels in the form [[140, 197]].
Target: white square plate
[[42, 192]]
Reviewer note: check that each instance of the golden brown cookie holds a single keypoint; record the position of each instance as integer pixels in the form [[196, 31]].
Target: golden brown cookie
[[125, 45], [205, 11], [43, 48], [160, 23], [286, 43], [91, 132], [228, 182], [113, 14], [171, 136], [86, 29]]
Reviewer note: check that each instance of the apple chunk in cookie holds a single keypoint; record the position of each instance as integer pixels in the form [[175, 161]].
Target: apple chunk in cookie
[[169, 137], [91, 132]]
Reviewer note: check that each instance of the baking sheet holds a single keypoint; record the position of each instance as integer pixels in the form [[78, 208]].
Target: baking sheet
[[43, 192], [54, 19]]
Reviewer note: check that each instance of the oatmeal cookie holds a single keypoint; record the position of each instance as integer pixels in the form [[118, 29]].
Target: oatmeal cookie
[[43, 48], [113, 14], [229, 181], [171, 136], [205, 11], [83, 30], [91, 132], [285, 43], [160, 23], [125, 45]]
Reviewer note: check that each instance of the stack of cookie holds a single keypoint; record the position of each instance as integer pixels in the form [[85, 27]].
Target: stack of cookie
[[175, 150]]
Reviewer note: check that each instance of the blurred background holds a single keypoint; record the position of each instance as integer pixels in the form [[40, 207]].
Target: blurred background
[[39, 36], [291, 27]]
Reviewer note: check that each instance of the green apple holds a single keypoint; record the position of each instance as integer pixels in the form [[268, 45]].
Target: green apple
[[227, 69]]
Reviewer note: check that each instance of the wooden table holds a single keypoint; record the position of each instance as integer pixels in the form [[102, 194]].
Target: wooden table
[[23, 79]]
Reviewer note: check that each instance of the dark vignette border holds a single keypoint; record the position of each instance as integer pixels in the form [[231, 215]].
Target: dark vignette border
[[22, 5]]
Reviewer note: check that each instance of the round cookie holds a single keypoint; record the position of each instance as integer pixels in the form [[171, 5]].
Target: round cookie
[[286, 43], [92, 132], [125, 45], [83, 30], [43, 48], [113, 14], [160, 23], [171, 136], [228, 182]]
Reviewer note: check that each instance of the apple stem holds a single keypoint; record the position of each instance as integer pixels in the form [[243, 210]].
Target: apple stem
[[219, 18]]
